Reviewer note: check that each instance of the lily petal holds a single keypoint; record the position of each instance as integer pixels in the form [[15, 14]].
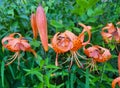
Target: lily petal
[[116, 80]]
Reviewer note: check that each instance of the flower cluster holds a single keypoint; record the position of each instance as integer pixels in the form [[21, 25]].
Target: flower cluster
[[68, 41], [65, 42]]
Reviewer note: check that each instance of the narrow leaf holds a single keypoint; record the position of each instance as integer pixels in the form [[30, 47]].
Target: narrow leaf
[[2, 72]]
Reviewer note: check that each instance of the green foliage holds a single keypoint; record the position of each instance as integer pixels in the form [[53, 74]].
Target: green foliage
[[61, 15], [82, 6]]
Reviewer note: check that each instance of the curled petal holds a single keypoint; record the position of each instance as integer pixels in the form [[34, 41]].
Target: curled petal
[[111, 28], [79, 41], [10, 41], [61, 43], [116, 80], [6, 39], [86, 29], [70, 35], [106, 36]]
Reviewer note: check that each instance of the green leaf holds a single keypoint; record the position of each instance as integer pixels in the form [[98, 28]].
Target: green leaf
[[46, 9], [56, 24], [41, 85], [46, 77], [82, 6], [24, 17], [91, 20], [52, 66], [36, 72], [12, 72], [60, 86], [90, 12], [11, 12], [72, 78], [77, 29], [42, 62], [2, 72], [35, 43], [87, 79]]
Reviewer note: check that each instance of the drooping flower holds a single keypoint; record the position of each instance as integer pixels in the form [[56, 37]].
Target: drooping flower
[[97, 54], [16, 45], [68, 41], [39, 25], [109, 33], [61, 43]]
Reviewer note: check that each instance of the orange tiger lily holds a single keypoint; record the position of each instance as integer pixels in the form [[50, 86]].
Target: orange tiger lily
[[78, 42], [16, 45], [98, 54], [61, 43], [39, 25], [110, 32], [67, 41]]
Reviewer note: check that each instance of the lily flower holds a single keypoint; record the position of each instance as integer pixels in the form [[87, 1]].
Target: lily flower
[[16, 45], [61, 43], [68, 41], [109, 32], [97, 54], [39, 25]]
